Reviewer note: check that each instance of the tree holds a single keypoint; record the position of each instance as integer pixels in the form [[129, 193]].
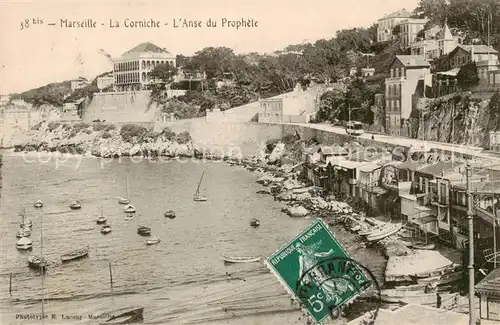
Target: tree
[[213, 60], [467, 75], [164, 72]]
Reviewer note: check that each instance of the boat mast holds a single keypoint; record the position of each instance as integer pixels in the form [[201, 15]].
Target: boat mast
[[43, 266], [198, 189]]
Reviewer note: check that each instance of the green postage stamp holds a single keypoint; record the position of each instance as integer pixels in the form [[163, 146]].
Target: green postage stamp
[[318, 271]]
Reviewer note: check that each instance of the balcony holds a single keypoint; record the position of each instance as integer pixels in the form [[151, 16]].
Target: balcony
[[438, 201], [395, 79]]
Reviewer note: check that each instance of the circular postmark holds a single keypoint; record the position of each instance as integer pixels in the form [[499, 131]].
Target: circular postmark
[[332, 284]]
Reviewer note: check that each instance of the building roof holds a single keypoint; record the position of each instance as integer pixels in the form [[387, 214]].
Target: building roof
[[146, 47], [439, 168], [412, 165], [478, 49], [415, 315], [445, 33], [480, 187], [412, 61], [397, 14], [490, 285]]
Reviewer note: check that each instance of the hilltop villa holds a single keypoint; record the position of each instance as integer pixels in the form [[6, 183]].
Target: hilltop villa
[[132, 70]]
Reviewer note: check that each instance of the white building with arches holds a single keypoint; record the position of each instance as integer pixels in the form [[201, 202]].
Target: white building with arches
[[132, 70]]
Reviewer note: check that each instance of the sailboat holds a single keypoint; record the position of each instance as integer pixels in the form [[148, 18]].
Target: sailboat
[[125, 200], [197, 196], [101, 218], [26, 221], [129, 208]]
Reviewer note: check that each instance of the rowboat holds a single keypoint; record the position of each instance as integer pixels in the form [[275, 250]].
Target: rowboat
[[423, 246], [122, 200], [105, 229], [414, 297], [144, 231], [169, 214], [153, 241], [129, 217], [75, 205], [37, 262], [38, 204], [374, 229], [254, 222], [453, 274], [241, 259], [24, 244], [23, 232], [74, 255], [129, 209], [384, 233], [197, 196], [129, 317]]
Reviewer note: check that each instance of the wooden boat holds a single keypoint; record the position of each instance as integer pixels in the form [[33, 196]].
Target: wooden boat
[[197, 196], [423, 246], [144, 231], [101, 219], [37, 262], [241, 259], [377, 228], [129, 217], [24, 244], [414, 297], [129, 209], [384, 233], [453, 274], [124, 200], [129, 317], [74, 255], [169, 214], [38, 204], [26, 222], [75, 205], [254, 222], [105, 229], [153, 241], [23, 232]]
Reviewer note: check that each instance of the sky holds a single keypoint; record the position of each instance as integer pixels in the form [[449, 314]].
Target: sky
[[39, 54]]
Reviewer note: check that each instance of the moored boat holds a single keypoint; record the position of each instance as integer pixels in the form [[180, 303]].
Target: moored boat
[[23, 232], [26, 222], [452, 274], [37, 262], [75, 205], [38, 204], [197, 196], [76, 254], [101, 218], [374, 229], [129, 209], [241, 259], [129, 317], [122, 200], [414, 297], [254, 222], [169, 214], [106, 229], [24, 244], [129, 217], [153, 241], [384, 233], [144, 231]]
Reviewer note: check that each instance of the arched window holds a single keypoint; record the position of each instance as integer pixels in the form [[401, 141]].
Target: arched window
[[143, 64], [149, 65], [144, 76], [171, 63]]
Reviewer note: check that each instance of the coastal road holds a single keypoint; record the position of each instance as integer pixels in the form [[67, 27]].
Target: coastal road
[[403, 141]]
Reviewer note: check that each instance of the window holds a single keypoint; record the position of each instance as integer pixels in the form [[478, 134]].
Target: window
[[397, 104]]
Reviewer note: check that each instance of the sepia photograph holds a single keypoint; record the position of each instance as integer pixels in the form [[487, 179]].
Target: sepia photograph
[[250, 162]]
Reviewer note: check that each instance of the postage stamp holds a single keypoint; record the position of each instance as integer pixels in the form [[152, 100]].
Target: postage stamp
[[318, 272]]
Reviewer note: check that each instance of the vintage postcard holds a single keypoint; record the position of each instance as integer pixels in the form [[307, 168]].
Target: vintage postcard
[[249, 162]]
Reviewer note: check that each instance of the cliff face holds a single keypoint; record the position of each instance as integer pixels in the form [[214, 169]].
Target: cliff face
[[459, 118]]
